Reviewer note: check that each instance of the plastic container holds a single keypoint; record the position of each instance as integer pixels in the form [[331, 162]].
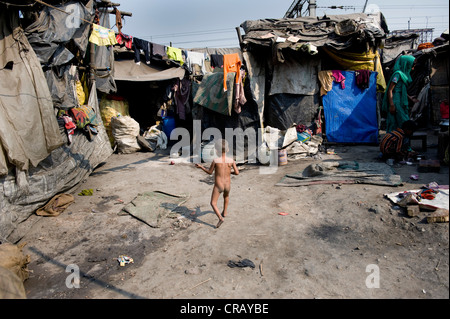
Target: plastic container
[[282, 157], [303, 137], [168, 125], [208, 153]]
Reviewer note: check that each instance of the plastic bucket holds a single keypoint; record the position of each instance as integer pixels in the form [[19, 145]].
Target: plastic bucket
[[168, 125], [208, 153], [282, 157]]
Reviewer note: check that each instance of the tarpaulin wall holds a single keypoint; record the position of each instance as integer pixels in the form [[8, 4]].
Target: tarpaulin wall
[[350, 113], [285, 109]]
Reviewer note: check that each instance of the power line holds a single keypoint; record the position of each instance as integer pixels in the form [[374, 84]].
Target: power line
[[210, 40], [395, 18], [183, 34]]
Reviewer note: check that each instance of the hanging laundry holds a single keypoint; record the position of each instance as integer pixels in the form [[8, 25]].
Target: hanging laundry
[[338, 77], [158, 50], [138, 45], [69, 126], [239, 95], [83, 116], [124, 39], [118, 19], [102, 36], [175, 54], [216, 61], [182, 90], [326, 82], [197, 58], [231, 63], [362, 79]]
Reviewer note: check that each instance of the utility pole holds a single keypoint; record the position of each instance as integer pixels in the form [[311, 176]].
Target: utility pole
[[312, 8], [365, 6]]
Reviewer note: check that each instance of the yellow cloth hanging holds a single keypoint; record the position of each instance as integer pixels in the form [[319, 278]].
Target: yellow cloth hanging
[[175, 54], [102, 36], [326, 82], [359, 61]]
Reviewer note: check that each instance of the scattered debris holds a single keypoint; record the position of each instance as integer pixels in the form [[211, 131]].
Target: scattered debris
[[440, 215], [413, 210], [241, 263], [204, 281], [56, 205], [86, 192], [124, 260], [261, 268], [429, 166]]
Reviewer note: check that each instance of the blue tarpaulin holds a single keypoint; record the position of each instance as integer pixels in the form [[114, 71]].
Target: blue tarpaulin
[[350, 112]]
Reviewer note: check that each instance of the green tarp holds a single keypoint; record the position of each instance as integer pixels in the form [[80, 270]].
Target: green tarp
[[152, 207], [210, 93], [343, 172]]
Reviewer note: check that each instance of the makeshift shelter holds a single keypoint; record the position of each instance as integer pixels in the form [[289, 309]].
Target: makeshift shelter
[[158, 88], [285, 56], [51, 134], [141, 87]]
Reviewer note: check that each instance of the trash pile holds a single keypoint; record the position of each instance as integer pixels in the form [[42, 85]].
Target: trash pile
[[124, 260], [432, 199]]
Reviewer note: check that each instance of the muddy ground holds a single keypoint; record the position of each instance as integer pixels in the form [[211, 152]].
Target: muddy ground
[[320, 249]]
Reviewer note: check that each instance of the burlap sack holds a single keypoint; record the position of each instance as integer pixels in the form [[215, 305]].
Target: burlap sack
[[11, 287], [13, 259], [56, 205]]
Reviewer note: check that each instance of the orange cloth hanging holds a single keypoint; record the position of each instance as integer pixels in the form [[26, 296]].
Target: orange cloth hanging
[[231, 63]]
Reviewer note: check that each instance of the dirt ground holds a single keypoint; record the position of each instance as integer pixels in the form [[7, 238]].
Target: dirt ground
[[321, 249]]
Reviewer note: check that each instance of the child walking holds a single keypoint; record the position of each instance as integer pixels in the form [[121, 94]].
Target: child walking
[[221, 166]]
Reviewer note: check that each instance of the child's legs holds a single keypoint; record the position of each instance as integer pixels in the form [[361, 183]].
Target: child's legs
[[226, 199], [214, 198]]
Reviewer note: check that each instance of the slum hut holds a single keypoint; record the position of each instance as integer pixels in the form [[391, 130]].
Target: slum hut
[[298, 66], [51, 134], [429, 77]]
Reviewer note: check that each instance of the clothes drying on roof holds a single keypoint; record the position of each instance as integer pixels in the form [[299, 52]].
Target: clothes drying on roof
[[158, 50], [125, 39], [175, 54], [138, 45], [216, 61], [197, 58], [102, 36]]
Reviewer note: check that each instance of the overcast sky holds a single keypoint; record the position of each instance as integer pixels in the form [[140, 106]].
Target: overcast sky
[[212, 23]]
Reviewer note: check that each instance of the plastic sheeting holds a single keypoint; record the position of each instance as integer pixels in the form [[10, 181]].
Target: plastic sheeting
[[54, 29], [128, 70], [350, 113], [297, 75], [60, 172], [28, 127], [360, 61], [283, 110], [338, 31]]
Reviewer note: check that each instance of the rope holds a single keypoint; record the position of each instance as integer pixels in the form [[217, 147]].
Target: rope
[[56, 8]]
